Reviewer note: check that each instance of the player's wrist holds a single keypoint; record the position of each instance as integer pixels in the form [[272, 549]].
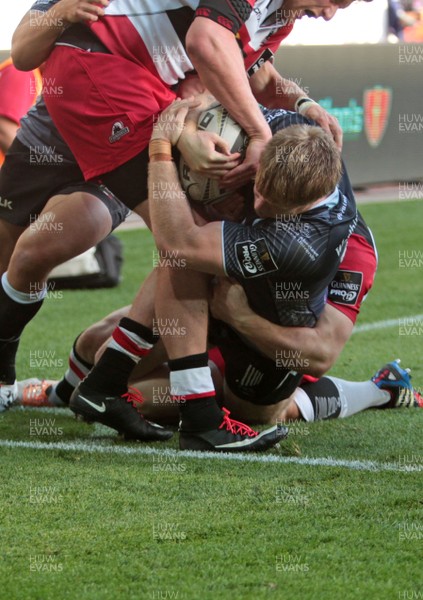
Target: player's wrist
[[302, 104], [160, 149], [58, 20]]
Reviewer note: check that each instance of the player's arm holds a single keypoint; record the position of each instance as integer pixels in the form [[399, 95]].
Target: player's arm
[[273, 91], [39, 29], [216, 57], [174, 229], [173, 225], [319, 347]]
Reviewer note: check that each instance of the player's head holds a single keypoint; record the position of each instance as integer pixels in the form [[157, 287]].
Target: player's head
[[300, 165], [296, 9]]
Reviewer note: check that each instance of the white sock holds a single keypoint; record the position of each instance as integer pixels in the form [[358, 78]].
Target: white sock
[[352, 396], [22, 297], [302, 400], [357, 396]]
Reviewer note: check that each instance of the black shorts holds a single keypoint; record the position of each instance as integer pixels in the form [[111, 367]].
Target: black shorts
[[27, 183], [249, 374], [129, 182]]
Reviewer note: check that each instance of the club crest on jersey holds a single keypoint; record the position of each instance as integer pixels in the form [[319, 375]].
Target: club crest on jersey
[[254, 258], [377, 107], [118, 131], [345, 287]]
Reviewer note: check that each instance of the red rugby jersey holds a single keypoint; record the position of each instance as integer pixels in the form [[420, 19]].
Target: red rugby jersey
[[153, 33]]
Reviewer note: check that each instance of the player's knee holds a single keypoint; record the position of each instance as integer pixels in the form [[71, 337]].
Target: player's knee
[[32, 258], [91, 340]]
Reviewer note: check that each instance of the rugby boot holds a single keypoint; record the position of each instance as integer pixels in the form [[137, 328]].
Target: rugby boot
[[121, 413], [231, 436], [397, 381]]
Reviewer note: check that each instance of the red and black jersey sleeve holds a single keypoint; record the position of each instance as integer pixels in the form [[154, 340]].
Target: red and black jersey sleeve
[[254, 59], [231, 14]]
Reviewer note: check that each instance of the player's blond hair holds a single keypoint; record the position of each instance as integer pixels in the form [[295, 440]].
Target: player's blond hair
[[299, 165]]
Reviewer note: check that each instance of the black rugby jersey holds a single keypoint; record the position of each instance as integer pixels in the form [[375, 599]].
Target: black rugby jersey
[[285, 264]]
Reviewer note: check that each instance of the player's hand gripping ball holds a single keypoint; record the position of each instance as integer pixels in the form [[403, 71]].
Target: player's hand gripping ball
[[200, 188]]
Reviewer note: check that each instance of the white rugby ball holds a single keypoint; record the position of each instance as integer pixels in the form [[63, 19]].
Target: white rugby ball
[[200, 188]]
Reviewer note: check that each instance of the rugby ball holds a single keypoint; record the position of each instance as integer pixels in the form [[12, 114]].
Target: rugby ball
[[200, 188]]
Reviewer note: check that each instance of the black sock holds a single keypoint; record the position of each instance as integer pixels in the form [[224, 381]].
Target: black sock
[[64, 390], [200, 415], [8, 352], [79, 358], [13, 318], [15, 315], [77, 367], [110, 375], [197, 414]]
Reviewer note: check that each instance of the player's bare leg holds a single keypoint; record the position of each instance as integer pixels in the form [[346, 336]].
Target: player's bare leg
[[48, 242], [184, 295], [58, 235], [103, 396], [9, 235], [83, 356]]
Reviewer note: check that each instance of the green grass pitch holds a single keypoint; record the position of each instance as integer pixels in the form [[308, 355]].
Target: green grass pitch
[[108, 520]]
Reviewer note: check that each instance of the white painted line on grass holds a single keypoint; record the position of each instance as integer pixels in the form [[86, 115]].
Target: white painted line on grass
[[43, 410], [357, 465], [384, 324]]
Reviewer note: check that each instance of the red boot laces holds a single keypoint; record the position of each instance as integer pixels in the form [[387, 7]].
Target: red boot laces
[[236, 427]]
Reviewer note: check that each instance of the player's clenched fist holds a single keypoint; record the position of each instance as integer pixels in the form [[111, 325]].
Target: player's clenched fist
[[75, 11]]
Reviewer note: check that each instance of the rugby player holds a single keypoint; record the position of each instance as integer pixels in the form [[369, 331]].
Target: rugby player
[[314, 263], [45, 190], [40, 167]]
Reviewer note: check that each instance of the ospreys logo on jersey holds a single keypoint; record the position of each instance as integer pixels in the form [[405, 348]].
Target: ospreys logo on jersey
[[345, 287], [118, 131], [254, 258]]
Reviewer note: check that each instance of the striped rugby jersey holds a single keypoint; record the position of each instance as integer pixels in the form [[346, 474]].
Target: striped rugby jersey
[[153, 33]]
